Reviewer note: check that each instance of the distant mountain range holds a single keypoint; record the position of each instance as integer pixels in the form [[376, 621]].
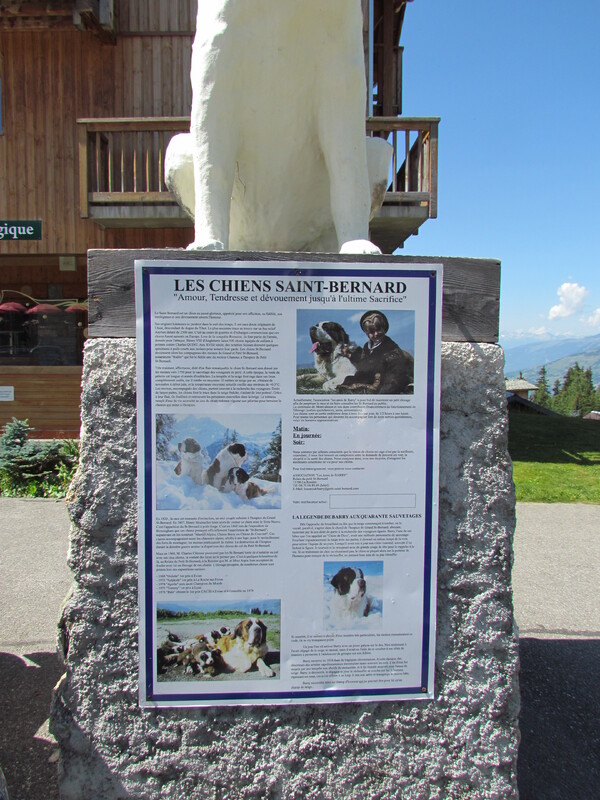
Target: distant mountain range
[[557, 355]]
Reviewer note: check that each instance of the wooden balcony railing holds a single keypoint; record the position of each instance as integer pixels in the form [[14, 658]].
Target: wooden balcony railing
[[121, 161], [415, 159]]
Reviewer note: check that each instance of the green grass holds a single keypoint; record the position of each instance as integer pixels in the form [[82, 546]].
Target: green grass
[[555, 459]]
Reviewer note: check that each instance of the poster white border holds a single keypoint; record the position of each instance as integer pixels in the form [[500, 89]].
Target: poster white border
[[151, 694]]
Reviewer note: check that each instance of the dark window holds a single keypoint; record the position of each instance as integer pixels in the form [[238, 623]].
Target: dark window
[[41, 336]]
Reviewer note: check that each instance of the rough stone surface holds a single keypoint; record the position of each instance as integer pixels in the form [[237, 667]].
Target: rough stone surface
[[462, 745]]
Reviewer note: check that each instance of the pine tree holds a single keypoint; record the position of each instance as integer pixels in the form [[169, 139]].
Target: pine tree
[[25, 464], [576, 397], [270, 466], [165, 430], [542, 395]]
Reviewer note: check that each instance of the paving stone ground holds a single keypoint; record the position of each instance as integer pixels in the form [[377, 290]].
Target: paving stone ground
[[555, 581]]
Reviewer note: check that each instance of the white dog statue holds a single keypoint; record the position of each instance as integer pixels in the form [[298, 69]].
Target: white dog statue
[[277, 158]]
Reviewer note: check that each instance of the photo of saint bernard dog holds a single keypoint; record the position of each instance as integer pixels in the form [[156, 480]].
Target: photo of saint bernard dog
[[238, 481], [233, 455], [245, 647], [190, 460], [329, 339], [349, 599]]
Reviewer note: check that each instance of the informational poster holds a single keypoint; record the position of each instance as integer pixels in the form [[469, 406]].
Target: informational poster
[[288, 426]]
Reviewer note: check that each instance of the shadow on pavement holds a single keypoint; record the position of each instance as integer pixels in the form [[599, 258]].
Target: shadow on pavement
[[25, 696], [559, 755], [560, 721]]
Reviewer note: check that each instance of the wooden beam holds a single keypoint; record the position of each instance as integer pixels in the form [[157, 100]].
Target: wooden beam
[[433, 160], [37, 9], [90, 8], [35, 24], [82, 140], [130, 197], [470, 311], [388, 58], [88, 15]]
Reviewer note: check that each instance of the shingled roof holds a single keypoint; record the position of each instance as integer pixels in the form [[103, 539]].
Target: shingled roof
[[519, 385]]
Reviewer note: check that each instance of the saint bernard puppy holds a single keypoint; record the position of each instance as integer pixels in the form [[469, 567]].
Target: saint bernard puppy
[[238, 481], [190, 460], [210, 662], [349, 599], [329, 340], [187, 653], [231, 456], [246, 646]]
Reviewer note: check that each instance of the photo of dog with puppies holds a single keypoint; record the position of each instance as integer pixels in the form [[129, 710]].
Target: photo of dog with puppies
[[355, 351], [218, 640], [352, 595], [213, 463]]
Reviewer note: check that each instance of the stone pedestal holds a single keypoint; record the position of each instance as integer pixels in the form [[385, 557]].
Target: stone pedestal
[[461, 745]]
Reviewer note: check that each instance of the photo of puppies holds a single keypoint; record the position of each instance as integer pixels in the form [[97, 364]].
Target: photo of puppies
[[218, 640], [353, 593], [213, 462], [355, 352]]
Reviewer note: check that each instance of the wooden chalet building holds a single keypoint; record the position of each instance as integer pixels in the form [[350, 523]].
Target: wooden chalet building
[[90, 93]]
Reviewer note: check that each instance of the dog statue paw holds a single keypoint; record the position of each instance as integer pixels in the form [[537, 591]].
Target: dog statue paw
[[362, 247], [211, 244]]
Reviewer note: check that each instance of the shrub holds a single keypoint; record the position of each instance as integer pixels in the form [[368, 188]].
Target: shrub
[[34, 468]]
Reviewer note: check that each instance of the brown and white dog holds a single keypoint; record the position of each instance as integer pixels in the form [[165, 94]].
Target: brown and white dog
[[190, 459], [246, 646], [329, 342], [186, 653], [210, 662], [238, 481], [233, 455], [350, 599]]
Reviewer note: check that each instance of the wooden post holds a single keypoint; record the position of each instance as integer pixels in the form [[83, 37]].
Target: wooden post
[[388, 58], [83, 170], [433, 160], [471, 299]]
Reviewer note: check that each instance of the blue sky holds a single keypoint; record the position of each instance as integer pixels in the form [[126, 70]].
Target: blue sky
[[517, 88]]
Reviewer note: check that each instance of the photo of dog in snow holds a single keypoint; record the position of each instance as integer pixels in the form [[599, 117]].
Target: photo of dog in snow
[[214, 462], [352, 594], [355, 351], [218, 640]]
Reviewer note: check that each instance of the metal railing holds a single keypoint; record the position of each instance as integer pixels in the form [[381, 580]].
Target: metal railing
[[121, 160]]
